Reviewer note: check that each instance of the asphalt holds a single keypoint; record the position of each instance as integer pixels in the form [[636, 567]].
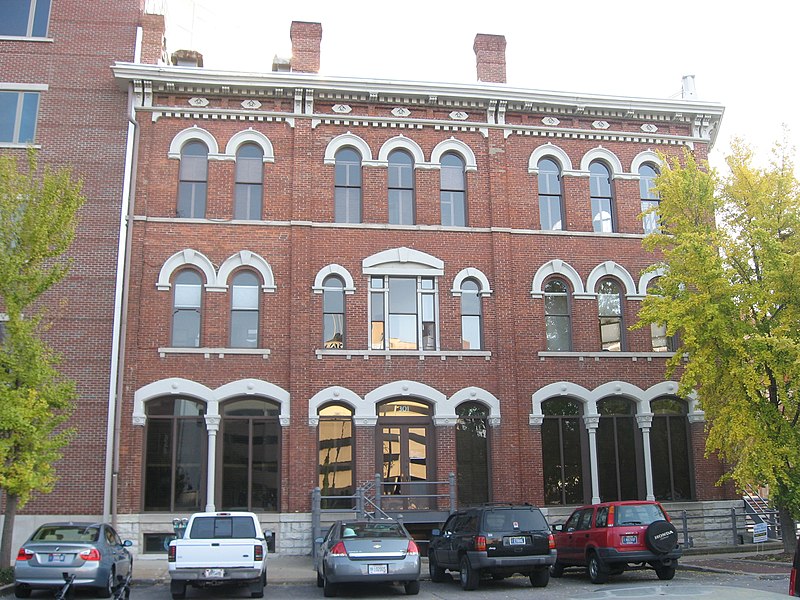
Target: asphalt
[[300, 569], [283, 569]]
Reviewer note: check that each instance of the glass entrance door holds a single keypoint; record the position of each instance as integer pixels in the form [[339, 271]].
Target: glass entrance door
[[405, 456]]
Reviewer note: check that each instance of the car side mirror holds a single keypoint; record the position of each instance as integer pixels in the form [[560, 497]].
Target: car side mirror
[[557, 528], [319, 540]]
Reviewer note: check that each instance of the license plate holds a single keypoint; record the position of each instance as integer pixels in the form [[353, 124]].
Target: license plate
[[629, 539], [377, 569], [214, 573], [56, 558], [516, 541]]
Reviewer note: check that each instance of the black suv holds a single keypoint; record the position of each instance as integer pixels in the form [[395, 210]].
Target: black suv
[[497, 540]]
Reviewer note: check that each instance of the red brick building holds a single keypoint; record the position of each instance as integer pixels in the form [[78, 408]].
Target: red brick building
[[331, 278], [57, 93]]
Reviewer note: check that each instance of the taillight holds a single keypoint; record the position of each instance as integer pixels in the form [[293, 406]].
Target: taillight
[[258, 552], [412, 548], [173, 550], [480, 543], [92, 554], [610, 515], [339, 550], [24, 554], [551, 542]]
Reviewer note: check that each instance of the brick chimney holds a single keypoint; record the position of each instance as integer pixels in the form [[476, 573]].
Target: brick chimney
[[187, 58], [154, 45], [490, 56], [306, 39]]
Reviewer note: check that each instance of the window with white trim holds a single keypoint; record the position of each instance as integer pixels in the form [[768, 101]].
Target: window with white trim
[[609, 303], [401, 188], [18, 115], [193, 184], [471, 315], [650, 198], [550, 202], [602, 198], [186, 309], [244, 310], [453, 190], [347, 176], [403, 313], [249, 182], [333, 312], [24, 18], [558, 322]]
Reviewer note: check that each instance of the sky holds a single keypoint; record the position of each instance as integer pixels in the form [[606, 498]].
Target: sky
[[743, 54]]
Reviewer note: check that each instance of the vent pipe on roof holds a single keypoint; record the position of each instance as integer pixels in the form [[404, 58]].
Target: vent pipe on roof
[[688, 91]]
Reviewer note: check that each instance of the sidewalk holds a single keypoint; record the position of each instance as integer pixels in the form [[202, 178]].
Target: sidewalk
[[300, 569]]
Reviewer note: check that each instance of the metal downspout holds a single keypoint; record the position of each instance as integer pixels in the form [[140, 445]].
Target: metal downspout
[[111, 486]]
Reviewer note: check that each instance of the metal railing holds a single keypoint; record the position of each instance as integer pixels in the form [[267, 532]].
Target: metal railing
[[730, 526]]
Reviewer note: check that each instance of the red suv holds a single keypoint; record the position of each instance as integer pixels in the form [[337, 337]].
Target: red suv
[[612, 537]]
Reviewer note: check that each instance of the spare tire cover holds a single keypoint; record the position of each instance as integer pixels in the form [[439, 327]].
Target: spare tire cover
[[661, 537]]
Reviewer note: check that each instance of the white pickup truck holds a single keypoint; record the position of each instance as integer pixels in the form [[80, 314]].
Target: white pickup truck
[[219, 548]]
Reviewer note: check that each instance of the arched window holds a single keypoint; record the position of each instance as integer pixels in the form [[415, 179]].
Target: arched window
[[619, 448], [661, 342], [347, 201], [550, 203], [670, 449], [401, 188], [602, 198], [557, 316], [193, 183], [564, 444], [650, 199], [472, 454], [250, 444], [471, 316], [453, 190], [186, 309], [175, 455], [609, 305], [333, 312], [244, 311], [249, 182], [336, 456]]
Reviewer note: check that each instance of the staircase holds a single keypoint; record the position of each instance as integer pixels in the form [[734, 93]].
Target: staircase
[[758, 510]]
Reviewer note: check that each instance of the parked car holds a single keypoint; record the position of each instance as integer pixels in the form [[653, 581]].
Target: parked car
[[92, 552], [613, 537], [498, 540], [367, 551], [794, 579]]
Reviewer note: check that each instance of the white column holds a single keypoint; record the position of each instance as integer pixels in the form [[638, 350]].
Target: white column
[[645, 421], [212, 425], [591, 422]]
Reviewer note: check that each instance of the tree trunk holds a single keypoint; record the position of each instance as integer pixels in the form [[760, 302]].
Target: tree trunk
[[788, 530], [12, 500]]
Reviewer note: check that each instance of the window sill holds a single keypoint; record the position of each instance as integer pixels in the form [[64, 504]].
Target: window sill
[[419, 354], [218, 352], [24, 38], [582, 356], [20, 145]]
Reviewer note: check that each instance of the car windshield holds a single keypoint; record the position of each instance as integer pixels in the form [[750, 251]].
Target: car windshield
[[512, 520], [371, 530], [638, 514], [222, 527], [66, 533]]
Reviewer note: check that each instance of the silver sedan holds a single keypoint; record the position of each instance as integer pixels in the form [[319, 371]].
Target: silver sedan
[[91, 552], [367, 552]]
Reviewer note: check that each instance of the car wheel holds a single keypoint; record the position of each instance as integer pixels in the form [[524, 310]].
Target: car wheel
[[665, 573], [178, 589], [540, 577], [22, 591], [470, 578], [437, 573], [328, 588], [108, 588], [597, 572], [412, 588], [556, 569], [661, 537]]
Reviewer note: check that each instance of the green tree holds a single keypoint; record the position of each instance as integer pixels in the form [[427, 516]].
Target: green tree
[[38, 217], [731, 291]]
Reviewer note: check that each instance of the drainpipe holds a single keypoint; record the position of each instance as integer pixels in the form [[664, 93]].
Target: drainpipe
[[111, 485]]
